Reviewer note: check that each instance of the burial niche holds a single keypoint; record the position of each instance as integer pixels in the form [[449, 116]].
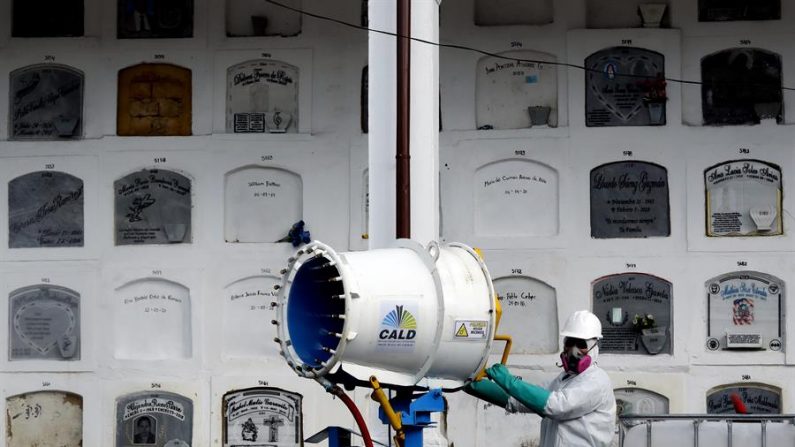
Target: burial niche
[[756, 398], [45, 209], [639, 401], [745, 310], [513, 12], [154, 418], [44, 418], [152, 306], [247, 303], [743, 198], [635, 311], [262, 416], [517, 91], [44, 323], [46, 103], [262, 96], [625, 86], [150, 19], [741, 86], [516, 197], [261, 203], [625, 14], [47, 18], [728, 10], [154, 100], [530, 314], [245, 18]]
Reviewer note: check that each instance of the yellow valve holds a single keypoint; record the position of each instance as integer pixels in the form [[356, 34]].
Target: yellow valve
[[379, 396], [506, 338]]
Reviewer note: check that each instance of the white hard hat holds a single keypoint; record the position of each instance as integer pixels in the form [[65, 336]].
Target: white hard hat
[[582, 324]]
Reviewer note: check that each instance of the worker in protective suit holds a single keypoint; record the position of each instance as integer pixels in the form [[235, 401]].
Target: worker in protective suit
[[578, 407]]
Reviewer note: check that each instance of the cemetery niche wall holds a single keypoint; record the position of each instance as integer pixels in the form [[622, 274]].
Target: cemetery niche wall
[[728, 10], [635, 310], [629, 199], [745, 310], [513, 12], [256, 18], [44, 323], [262, 416], [625, 86], [758, 398], [45, 209], [44, 418], [154, 418], [47, 18], [741, 86], [530, 314], [45, 102], [743, 198], [262, 96], [154, 100], [150, 19]]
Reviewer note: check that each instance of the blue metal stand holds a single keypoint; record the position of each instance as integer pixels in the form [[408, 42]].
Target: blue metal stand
[[415, 413]]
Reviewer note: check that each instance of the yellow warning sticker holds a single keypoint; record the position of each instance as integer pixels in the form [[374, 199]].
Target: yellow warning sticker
[[471, 329], [462, 331]]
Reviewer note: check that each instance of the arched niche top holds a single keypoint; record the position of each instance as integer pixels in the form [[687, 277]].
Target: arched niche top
[[156, 418], [247, 302], [744, 198], [530, 314], [47, 18], [513, 12], [517, 90], [723, 11], [629, 199], [51, 417], [154, 20], [278, 419], [46, 102], [745, 310], [245, 18], [640, 401], [262, 96], [625, 86], [45, 210], [624, 303], [619, 14], [741, 86], [154, 99], [509, 195], [44, 323], [758, 398], [261, 203]]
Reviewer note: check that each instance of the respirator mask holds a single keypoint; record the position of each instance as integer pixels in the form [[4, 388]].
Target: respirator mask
[[573, 359]]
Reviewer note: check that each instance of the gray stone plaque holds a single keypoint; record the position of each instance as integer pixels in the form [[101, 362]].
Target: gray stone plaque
[[635, 311], [743, 199], [262, 96], [262, 417], [46, 102], [44, 323], [745, 311], [153, 206], [757, 399], [154, 419], [629, 199], [44, 418], [639, 401], [616, 87], [45, 209]]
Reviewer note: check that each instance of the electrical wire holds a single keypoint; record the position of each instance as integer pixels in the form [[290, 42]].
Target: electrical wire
[[500, 56]]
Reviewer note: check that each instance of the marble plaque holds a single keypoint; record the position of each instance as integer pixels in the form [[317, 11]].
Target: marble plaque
[[506, 88], [618, 299], [45, 209], [757, 398], [261, 204], [46, 103], [529, 314], [614, 87], [259, 417], [152, 321], [162, 19], [743, 198], [247, 315], [745, 308], [639, 401], [365, 98], [726, 10], [44, 418], [157, 419], [512, 12], [258, 88], [153, 206], [257, 18], [516, 197], [47, 18], [629, 199], [741, 86], [44, 323], [154, 100]]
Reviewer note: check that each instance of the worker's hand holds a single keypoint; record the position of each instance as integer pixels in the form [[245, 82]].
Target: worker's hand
[[532, 396], [489, 391], [500, 374]]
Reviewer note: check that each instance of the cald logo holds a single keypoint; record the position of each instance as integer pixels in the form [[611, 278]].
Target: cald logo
[[400, 325]]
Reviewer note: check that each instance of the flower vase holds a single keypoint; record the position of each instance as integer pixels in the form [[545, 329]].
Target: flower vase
[[656, 113], [652, 14], [539, 115], [653, 339]]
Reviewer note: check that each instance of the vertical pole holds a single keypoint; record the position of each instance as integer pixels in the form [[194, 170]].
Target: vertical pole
[[403, 157]]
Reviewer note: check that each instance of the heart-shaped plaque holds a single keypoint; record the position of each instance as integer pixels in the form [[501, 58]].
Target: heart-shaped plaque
[[45, 325]]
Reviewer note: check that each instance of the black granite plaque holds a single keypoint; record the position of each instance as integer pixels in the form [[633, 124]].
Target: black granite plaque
[[154, 419], [629, 199], [635, 311], [619, 89], [262, 416], [726, 10], [741, 86], [47, 18], [153, 206], [757, 399], [45, 209], [154, 19], [44, 323], [46, 102]]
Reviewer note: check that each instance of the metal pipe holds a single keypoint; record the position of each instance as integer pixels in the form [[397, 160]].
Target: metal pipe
[[403, 157], [712, 417]]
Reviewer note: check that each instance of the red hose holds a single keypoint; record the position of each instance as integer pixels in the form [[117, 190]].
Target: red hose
[[337, 391]]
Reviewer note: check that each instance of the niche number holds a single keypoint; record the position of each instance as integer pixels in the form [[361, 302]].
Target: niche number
[[160, 159], [745, 41], [49, 166], [522, 153], [631, 265], [49, 58], [156, 385], [268, 55], [266, 158], [626, 41], [742, 264], [516, 271], [266, 270], [45, 280], [45, 384], [627, 153], [160, 56], [262, 382], [745, 150], [516, 44], [157, 272], [632, 383], [746, 377]]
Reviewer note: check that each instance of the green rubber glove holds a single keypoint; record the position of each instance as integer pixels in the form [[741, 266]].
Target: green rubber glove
[[532, 396], [489, 391]]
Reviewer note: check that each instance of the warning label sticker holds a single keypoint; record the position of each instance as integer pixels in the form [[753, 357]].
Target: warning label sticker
[[471, 329]]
